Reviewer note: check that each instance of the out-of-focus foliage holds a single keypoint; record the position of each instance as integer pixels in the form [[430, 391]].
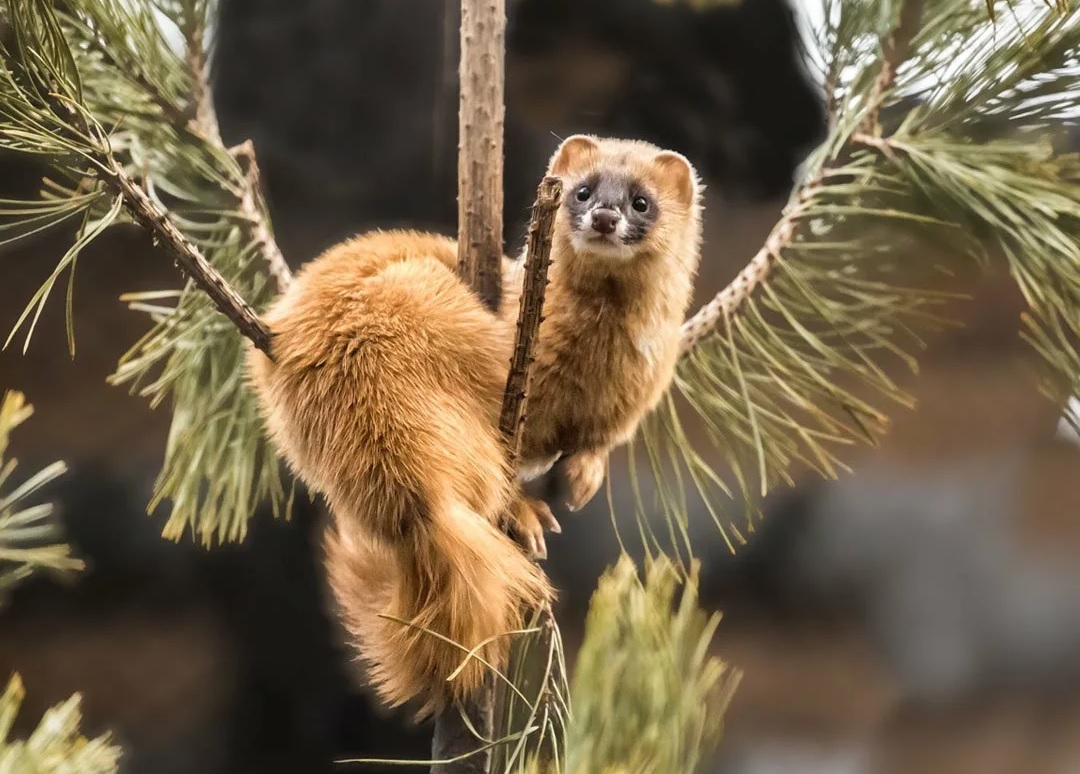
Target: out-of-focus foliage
[[28, 542], [55, 746], [28, 535], [646, 695]]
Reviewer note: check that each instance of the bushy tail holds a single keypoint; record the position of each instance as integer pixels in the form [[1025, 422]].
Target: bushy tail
[[458, 578]]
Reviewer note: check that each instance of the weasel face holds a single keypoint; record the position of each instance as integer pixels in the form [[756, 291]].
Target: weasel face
[[626, 199], [611, 213]]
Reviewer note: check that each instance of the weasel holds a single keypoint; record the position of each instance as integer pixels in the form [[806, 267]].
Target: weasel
[[625, 252], [384, 393]]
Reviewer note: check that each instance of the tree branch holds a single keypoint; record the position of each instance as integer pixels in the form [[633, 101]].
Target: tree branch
[[147, 214], [481, 113], [530, 313], [253, 207], [453, 738], [164, 232], [480, 225], [728, 301], [205, 122]]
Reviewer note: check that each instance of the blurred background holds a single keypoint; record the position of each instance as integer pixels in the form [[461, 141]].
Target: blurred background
[[921, 615]]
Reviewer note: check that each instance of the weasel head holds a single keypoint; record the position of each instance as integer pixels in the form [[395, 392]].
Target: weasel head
[[623, 199]]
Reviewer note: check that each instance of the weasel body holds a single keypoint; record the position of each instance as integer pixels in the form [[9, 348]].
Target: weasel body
[[384, 395], [625, 253]]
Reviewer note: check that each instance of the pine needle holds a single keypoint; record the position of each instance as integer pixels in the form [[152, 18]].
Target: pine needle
[[647, 696]]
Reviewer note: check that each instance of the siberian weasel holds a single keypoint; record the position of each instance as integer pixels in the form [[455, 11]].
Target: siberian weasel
[[625, 252], [384, 395]]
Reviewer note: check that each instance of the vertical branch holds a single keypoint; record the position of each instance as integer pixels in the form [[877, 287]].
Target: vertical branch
[[481, 114], [530, 313], [453, 737], [480, 225]]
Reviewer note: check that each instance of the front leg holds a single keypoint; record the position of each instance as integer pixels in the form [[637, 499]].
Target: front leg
[[586, 471]]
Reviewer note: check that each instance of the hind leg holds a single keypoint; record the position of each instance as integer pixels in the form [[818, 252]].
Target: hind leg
[[529, 518]]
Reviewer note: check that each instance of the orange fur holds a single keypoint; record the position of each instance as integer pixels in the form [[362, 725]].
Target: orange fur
[[610, 336], [384, 395]]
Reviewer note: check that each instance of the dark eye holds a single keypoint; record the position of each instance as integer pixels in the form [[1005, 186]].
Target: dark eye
[[640, 204], [583, 193]]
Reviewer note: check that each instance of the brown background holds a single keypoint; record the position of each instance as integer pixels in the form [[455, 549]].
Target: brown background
[[917, 617]]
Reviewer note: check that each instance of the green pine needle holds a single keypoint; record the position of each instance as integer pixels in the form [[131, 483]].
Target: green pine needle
[[647, 696]]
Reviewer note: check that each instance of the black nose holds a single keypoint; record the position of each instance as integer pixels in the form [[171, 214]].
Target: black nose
[[603, 221]]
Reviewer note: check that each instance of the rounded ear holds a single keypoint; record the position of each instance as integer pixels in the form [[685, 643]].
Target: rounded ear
[[571, 151], [678, 175]]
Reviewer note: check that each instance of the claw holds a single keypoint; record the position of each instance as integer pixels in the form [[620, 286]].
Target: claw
[[531, 517]]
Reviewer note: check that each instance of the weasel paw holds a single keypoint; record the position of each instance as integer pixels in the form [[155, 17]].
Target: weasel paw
[[531, 518], [586, 474]]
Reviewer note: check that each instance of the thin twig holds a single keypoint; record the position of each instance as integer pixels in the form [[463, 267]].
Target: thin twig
[[253, 207], [205, 122], [530, 312], [894, 50], [516, 394], [147, 214], [481, 113]]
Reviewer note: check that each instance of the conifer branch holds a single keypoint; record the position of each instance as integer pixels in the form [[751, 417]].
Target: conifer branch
[[55, 744], [205, 121], [894, 49], [253, 208], [727, 302], [189, 258], [249, 196], [27, 532], [94, 89]]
